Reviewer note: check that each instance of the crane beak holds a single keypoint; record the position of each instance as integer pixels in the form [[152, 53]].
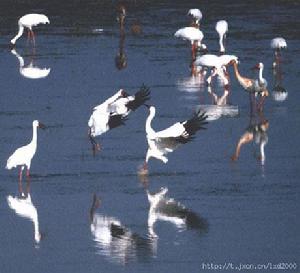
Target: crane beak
[[124, 94], [255, 67], [42, 126]]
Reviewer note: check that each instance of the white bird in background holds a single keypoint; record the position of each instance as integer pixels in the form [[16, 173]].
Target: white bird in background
[[30, 71], [28, 21], [113, 112], [166, 141], [194, 35], [196, 14], [169, 210], [23, 155], [189, 33], [217, 64], [24, 207], [222, 28], [278, 44]]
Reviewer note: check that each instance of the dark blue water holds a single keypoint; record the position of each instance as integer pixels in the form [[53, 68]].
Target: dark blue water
[[250, 210]]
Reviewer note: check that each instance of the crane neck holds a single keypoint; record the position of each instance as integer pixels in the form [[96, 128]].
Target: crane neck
[[19, 34], [34, 136], [237, 73], [149, 130]]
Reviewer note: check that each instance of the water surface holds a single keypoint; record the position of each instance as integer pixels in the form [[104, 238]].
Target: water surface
[[251, 210]]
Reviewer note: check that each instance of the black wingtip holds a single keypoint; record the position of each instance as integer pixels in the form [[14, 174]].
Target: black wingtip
[[140, 98], [196, 123], [116, 121]]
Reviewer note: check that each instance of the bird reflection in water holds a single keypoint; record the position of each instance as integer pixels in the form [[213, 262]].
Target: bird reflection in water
[[219, 100], [256, 132], [30, 71], [220, 106], [23, 206], [121, 59], [115, 241], [169, 210]]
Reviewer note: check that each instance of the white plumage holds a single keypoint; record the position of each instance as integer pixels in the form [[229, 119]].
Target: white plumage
[[23, 155], [278, 43], [162, 142], [25, 208], [29, 21], [113, 112], [30, 71], [218, 63], [189, 33], [115, 240], [222, 28], [196, 14], [168, 210]]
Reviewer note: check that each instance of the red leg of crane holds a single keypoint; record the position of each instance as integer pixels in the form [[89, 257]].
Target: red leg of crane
[[33, 38]]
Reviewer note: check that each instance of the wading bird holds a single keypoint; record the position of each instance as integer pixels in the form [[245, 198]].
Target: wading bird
[[28, 21], [278, 44], [166, 141], [218, 65], [22, 156], [113, 112], [194, 35], [253, 86], [196, 15], [222, 28]]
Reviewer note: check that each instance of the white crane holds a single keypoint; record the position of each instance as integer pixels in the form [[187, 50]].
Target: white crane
[[22, 156], [28, 21], [166, 141], [222, 28], [196, 15], [218, 65], [278, 44], [194, 35], [113, 112]]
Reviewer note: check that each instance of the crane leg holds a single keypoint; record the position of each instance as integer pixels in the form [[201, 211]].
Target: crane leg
[[33, 37], [20, 180], [28, 174], [20, 174]]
